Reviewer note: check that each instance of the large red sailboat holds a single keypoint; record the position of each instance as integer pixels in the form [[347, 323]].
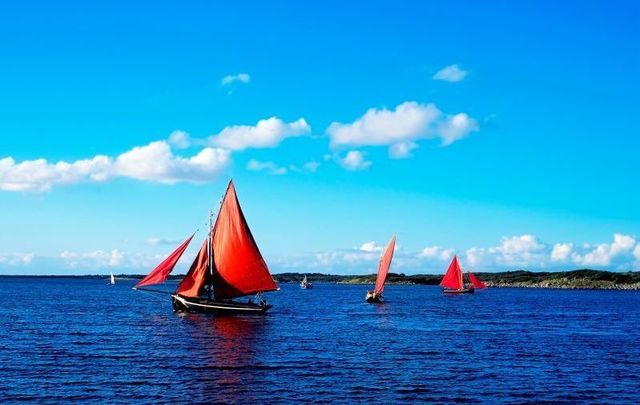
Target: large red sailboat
[[229, 265], [453, 280], [375, 296]]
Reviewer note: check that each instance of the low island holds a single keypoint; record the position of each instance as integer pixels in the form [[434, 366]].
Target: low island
[[576, 279]]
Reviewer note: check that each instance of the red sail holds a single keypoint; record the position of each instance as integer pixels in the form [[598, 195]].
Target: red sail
[[476, 282], [191, 284], [453, 277], [385, 263], [161, 272], [238, 265]]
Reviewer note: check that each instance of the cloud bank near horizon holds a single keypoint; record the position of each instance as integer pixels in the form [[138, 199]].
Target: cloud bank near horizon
[[520, 252]]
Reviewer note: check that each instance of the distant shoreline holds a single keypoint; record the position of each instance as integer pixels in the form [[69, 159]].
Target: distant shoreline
[[576, 279]]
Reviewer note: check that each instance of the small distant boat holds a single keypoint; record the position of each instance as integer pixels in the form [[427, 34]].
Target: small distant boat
[[112, 280], [375, 296], [306, 284], [229, 265], [453, 281]]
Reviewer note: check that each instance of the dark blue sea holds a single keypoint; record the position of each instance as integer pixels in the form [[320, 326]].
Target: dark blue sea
[[67, 339]]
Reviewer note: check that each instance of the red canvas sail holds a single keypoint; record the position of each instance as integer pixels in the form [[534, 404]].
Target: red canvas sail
[[385, 263], [161, 272], [476, 282], [238, 265], [453, 277], [191, 285]]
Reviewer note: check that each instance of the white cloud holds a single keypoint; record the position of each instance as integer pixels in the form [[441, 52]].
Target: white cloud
[[240, 77], [269, 167], [456, 127], [16, 259], [603, 253], [475, 256], [401, 128], [520, 251], [266, 133], [371, 247], [354, 160], [311, 167], [153, 162], [402, 150], [97, 258], [636, 252], [179, 139], [451, 73], [40, 175], [622, 243], [436, 252], [561, 252]]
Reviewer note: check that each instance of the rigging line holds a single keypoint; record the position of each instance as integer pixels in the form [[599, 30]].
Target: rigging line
[[154, 296], [153, 291]]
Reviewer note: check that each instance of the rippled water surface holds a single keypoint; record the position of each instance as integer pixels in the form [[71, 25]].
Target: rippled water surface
[[78, 339]]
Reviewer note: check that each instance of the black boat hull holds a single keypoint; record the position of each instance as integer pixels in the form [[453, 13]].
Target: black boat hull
[[373, 298], [201, 305], [470, 290]]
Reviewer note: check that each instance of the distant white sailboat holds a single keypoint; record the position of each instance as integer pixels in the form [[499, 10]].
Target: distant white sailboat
[[305, 284], [112, 281]]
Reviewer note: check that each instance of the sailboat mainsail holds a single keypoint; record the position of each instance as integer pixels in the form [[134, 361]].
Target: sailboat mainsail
[[453, 282], [238, 266], [453, 277], [384, 265], [112, 279], [375, 296], [228, 265]]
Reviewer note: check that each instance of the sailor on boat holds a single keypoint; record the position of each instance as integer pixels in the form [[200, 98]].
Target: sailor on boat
[[453, 281], [375, 296], [229, 265]]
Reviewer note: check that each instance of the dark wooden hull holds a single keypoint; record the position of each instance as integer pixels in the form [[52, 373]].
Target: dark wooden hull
[[373, 298], [202, 305], [470, 290]]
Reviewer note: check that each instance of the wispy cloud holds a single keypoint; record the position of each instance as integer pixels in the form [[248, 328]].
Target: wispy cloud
[[162, 242], [401, 128], [240, 77], [269, 167], [451, 73]]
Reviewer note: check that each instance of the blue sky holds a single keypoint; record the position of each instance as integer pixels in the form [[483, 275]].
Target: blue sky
[[506, 133]]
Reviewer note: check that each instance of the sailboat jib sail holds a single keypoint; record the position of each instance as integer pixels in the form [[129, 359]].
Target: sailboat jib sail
[[384, 265], [476, 282], [453, 277], [238, 266], [161, 272], [193, 282]]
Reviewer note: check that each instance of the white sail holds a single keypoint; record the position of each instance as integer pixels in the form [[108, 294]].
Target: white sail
[[113, 279]]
